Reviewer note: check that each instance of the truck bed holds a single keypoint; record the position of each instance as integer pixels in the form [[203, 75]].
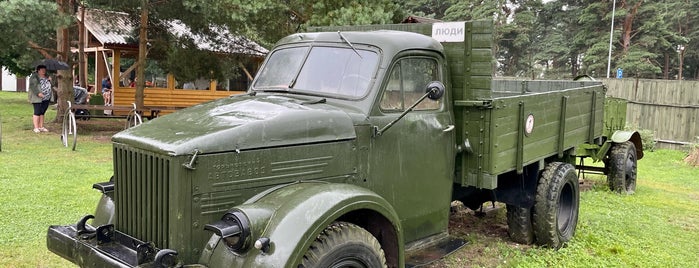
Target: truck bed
[[565, 114]]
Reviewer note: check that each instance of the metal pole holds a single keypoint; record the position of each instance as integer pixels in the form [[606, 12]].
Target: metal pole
[[680, 49], [611, 35]]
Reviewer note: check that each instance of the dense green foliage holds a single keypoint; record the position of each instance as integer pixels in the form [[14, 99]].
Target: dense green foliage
[[22, 22], [535, 38], [566, 38]]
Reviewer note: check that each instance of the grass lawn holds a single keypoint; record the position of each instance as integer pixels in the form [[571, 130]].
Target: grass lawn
[[43, 183]]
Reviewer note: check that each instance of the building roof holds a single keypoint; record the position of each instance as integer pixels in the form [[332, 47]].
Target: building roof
[[418, 19], [112, 28]]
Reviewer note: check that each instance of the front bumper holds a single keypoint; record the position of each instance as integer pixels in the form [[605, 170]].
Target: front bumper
[[103, 246]]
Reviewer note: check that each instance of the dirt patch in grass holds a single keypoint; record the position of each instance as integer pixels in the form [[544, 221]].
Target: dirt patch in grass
[[486, 234]]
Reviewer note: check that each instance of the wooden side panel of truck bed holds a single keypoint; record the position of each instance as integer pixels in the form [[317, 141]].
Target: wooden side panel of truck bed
[[560, 119]]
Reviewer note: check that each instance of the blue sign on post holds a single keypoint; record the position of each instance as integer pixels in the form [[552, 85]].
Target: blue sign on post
[[619, 73]]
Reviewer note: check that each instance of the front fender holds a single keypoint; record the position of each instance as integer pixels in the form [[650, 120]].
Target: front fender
[[621, 136], [104, 213], [292, 217]]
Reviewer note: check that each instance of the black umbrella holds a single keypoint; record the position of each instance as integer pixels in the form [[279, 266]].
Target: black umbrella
[[52, 64]]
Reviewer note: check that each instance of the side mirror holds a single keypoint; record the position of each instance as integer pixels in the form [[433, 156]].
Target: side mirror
[[435, 90]]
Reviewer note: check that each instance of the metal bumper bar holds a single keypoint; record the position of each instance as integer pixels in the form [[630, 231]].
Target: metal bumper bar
[[103, 246]]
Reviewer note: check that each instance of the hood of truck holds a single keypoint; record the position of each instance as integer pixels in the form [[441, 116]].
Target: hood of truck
[[240, 123]]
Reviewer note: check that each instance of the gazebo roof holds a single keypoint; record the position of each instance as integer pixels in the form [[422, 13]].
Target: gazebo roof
[[115, 29]]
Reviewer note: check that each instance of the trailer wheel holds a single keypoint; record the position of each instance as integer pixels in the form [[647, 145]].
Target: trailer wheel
[[519, 224], [344, 244], [622, 168], [555, 214]]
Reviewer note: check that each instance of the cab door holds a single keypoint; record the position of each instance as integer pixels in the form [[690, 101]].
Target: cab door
[[412, 162]]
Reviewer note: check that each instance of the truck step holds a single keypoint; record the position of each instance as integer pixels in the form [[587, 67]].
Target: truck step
[[432, 249]]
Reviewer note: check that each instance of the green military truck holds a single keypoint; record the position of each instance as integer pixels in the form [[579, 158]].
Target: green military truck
[[347, 151]]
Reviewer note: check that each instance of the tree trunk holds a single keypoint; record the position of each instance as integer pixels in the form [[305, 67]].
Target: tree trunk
[[142, 42], [65, 77], [666, 70], [627, 29], [82, 65], [679, 73], [574, 64]]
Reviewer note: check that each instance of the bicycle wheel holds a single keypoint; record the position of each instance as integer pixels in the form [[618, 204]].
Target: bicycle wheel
[[65, 130], [70, 131], [74, 129], [133, 119]]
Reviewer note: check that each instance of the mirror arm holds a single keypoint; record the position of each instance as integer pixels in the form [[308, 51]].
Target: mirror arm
[[379, 132]]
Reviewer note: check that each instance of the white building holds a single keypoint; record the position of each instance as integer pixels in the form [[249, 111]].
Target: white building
[[10, 82]]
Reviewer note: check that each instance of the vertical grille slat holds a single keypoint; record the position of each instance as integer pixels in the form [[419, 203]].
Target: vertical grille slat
[[152, 200], [141, 194]]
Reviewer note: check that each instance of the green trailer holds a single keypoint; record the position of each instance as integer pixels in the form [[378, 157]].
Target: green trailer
[[347, 151]]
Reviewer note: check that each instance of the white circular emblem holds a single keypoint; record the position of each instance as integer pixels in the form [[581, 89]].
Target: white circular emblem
[[529, 124]]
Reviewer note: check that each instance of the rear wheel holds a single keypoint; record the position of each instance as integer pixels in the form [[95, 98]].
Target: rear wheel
[[622, 168], [556, 204], [344, 244], [519, 224]]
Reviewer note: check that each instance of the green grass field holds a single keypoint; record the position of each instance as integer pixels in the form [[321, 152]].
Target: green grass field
[[43, 183]]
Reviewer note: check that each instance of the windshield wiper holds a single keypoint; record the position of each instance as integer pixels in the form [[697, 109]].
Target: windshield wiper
[[272, 89], [350, 44], [321, 100]]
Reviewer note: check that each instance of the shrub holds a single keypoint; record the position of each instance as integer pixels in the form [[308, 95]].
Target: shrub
[[647, 137]]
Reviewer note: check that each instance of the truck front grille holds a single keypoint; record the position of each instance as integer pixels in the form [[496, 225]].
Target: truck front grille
[[141, 191]]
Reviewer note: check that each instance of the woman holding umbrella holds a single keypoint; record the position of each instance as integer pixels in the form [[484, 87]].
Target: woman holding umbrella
[[39, 95]]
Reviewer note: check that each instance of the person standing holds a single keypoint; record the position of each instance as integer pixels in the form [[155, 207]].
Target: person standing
[[39, 96]]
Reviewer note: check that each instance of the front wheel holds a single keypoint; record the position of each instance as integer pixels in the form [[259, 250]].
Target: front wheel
[[622, 168], [69, 131], [556, 204], [344, 244]]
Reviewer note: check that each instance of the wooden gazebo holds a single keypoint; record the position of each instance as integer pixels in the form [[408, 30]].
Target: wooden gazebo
[[107, 40]]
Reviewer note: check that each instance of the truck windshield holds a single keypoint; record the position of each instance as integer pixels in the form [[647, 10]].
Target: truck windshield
[[329, 71]]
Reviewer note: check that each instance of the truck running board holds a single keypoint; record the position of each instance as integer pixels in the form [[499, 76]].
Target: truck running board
[[433, 248]]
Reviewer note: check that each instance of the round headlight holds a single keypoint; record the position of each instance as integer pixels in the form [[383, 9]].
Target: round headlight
[[234, 229], [236, 241]]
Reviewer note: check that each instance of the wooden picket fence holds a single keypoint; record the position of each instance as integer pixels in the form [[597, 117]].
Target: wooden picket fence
[[668, 107]]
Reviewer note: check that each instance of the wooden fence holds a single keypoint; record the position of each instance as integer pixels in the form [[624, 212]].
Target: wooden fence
[[668, 107]]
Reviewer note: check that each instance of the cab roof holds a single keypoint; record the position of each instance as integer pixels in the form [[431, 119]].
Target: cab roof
[[386, 40]]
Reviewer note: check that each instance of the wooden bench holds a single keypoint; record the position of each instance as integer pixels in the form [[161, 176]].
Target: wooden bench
[[90, 107], [133, 117]]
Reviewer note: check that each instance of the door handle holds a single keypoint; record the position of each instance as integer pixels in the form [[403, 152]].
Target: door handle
[[449, 128]]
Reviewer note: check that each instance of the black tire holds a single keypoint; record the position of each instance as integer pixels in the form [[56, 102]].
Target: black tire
[[344, 244], [556, 205], [622, 168], [519, 224]]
